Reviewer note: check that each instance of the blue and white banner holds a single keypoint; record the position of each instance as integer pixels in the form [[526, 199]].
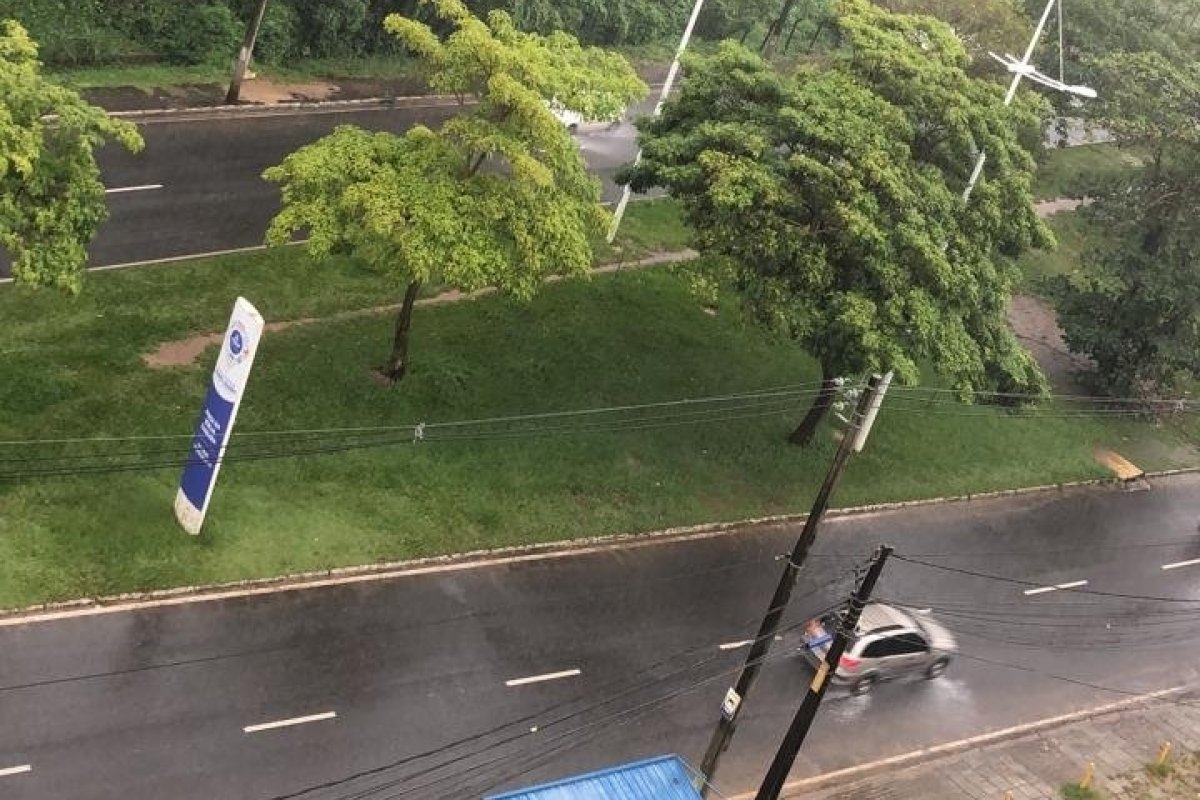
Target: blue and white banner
[[218, 415]]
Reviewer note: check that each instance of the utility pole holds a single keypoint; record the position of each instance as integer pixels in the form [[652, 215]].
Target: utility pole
[[772, 784], [853, 440], [243, 59]]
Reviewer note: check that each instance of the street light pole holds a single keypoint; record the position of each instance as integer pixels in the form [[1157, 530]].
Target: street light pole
[[1012, 92], [619, 213]]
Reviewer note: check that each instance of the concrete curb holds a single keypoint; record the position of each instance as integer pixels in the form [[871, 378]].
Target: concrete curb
[[299, 107], [476, 558], [917, 758], [291, 107]]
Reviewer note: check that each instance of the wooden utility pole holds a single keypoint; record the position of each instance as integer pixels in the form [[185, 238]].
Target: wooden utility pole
[[243, 59]]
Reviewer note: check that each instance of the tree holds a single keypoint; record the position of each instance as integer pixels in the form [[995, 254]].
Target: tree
[[832, 201], [1167, 27], [499, 196], [51, 197], [1000, 26], [1135, 305]]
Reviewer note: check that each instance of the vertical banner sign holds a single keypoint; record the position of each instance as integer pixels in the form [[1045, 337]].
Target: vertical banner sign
[[218, 414]]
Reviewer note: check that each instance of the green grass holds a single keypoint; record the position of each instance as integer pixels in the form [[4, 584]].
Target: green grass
[[649, 226], [73, 367], [1038, 266], [140, 76], [162, 76], [1071, 171], [1073, 791]]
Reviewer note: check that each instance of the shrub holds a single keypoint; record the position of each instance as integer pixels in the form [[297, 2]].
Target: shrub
[[202, 33], [278, 38]]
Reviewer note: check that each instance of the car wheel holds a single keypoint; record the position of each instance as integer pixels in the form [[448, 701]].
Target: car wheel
[[936, 669], [864, 684]]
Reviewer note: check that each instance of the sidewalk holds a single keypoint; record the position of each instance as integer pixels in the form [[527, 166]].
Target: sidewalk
[[1035, 766]]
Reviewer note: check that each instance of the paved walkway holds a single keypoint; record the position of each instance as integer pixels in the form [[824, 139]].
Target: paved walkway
[[1036, 765]]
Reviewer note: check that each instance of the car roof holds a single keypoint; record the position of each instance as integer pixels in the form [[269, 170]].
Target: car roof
[[879, 615]]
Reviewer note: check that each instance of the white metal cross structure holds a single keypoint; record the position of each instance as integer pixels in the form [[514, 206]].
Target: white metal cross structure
[[1031, 72], [1024, 69]]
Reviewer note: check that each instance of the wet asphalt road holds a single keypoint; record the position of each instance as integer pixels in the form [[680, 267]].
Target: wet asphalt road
[[154, 703], [209, 167]]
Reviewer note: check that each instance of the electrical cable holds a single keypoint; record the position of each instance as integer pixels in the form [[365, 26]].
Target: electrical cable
[[450, 746], [1031, 584], [787, 389], [622, 717]]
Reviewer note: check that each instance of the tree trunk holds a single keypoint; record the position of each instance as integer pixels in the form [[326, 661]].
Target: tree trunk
[[787, 43], [776, 29], [803, 434], [817, 35], [397, 363]]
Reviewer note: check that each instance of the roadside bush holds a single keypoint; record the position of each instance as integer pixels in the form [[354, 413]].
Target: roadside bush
[[278, 38], [331, 28], [201, 34]]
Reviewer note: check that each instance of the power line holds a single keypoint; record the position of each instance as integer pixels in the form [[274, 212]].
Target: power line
[[565, 739], [235, 455], [1019, 582], [450, 746], [795, 389]]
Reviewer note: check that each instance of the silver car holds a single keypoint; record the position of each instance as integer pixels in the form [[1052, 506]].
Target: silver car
[[887, 643]]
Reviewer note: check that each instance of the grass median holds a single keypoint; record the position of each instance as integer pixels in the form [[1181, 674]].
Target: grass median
[[74, 367]]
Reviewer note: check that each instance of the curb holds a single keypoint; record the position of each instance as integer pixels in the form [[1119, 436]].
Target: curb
[[476, 558], [292, 107], [918, 758]]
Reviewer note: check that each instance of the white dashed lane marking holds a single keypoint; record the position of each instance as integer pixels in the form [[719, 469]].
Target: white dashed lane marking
[[1193, 562], [147, 187], [15, 770], [549, 676], [287, 723], [1055, 588]]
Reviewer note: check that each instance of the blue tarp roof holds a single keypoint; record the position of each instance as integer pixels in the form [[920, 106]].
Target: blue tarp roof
[[662, 778]]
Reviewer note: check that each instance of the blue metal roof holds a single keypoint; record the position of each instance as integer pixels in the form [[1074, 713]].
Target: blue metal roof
[[662, 778]]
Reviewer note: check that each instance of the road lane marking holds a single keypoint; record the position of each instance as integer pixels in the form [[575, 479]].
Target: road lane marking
[[15, 770], [148, 187], [742, 643], [1193, 562], [285, 723], [1056, 587], [549, 676]]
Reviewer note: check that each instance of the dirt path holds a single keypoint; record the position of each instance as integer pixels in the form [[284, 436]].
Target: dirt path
[[184, 352], [1035, 322]]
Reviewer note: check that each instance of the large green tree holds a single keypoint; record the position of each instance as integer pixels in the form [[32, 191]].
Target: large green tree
[[832, 199], [1134, 308], [51, 197], [499, 196]]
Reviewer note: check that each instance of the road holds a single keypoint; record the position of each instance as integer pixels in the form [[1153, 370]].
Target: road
[[197, 186], [597, 657]]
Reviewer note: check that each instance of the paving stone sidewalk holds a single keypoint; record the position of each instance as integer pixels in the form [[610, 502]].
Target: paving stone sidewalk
[[1035, 766]]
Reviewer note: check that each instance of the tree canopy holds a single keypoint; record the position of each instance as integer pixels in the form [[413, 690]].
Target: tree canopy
[[499, 196], [51, 197], [833, 200], [1134, 307]]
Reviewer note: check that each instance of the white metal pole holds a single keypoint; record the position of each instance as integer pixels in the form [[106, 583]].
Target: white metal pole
[[1062, 37], [1012, 92], [662, 98]]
